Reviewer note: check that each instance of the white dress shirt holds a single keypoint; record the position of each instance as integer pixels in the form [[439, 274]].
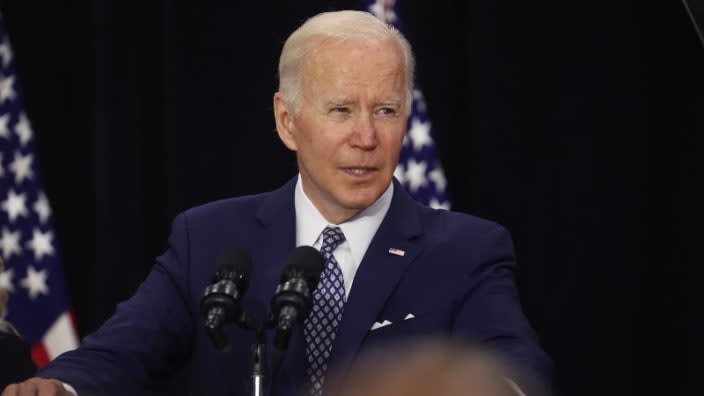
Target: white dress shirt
[[359, 230]]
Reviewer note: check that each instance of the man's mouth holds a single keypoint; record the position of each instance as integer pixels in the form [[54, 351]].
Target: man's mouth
[[358, 171]]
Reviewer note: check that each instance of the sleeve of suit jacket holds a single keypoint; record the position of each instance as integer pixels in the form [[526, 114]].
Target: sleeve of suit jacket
[[148, 337], [491, 312]]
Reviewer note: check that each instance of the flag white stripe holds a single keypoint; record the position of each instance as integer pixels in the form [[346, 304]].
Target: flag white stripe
[[60, 337]]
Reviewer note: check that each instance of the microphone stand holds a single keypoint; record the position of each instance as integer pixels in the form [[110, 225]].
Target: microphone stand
[[258, 351], [258, 369]]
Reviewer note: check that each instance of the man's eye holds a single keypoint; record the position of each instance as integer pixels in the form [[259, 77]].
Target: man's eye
[[387, 111], [340, 109]]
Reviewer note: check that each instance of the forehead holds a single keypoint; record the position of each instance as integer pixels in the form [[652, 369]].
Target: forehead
[[353, 61]]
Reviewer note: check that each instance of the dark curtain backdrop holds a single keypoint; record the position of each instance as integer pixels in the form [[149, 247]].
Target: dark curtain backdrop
[[575, 124]]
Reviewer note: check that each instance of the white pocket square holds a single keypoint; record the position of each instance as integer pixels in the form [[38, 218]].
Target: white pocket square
[[409, 316], [377, 325]]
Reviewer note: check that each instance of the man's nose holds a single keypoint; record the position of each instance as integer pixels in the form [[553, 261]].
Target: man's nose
[[364, 134]]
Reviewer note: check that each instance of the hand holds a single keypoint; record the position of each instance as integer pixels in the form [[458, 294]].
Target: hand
[[37, 387]]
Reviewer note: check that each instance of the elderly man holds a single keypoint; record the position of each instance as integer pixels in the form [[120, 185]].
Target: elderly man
[[394, 269]]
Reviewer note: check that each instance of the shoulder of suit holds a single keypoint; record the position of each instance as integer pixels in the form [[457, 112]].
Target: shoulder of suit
[[457, 223], [245, 205]]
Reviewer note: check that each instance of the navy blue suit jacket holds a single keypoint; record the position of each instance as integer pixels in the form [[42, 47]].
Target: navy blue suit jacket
[[456, 277]]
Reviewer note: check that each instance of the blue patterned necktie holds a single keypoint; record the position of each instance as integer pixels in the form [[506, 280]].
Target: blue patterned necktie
[[326, 315]]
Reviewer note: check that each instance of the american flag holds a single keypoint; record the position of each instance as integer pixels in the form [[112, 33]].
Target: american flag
[[419, 169], [38, 305]]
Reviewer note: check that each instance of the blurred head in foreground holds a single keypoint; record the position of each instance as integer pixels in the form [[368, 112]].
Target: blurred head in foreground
[[425, 368]]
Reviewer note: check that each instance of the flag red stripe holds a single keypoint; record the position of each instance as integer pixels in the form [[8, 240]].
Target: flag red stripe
[[39, 355]]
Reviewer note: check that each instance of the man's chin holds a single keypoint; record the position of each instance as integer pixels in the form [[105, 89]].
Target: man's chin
[[360, 200]]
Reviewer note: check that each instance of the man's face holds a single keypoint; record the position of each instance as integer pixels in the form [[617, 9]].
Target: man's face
[[349, 129]]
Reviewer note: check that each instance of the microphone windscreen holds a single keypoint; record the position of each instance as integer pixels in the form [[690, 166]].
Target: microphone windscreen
[[233, 264], [306, 261]]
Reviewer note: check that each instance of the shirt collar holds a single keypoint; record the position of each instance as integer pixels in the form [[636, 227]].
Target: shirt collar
[[358, 231]]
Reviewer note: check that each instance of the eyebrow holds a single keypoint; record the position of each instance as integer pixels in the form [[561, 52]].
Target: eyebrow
[[345, 102], [339, 102]]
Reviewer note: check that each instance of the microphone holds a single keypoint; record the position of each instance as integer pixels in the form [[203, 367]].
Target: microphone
[[221, 299], [293, 298]]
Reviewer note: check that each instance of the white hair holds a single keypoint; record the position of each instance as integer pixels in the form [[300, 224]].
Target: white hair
[[338, 26]]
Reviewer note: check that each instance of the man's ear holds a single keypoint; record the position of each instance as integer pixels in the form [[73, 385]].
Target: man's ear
[[284, 121]]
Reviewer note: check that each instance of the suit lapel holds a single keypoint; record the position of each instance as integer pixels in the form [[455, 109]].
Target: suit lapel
[[378, 274], [277, 217]]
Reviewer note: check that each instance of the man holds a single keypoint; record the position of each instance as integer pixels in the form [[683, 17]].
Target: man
[[394, 269]]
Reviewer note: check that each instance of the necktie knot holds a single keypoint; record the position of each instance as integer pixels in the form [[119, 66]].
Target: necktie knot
[[332, 237]]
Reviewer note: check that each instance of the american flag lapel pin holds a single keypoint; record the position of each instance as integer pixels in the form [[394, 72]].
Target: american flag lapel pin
[[397, 252]]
